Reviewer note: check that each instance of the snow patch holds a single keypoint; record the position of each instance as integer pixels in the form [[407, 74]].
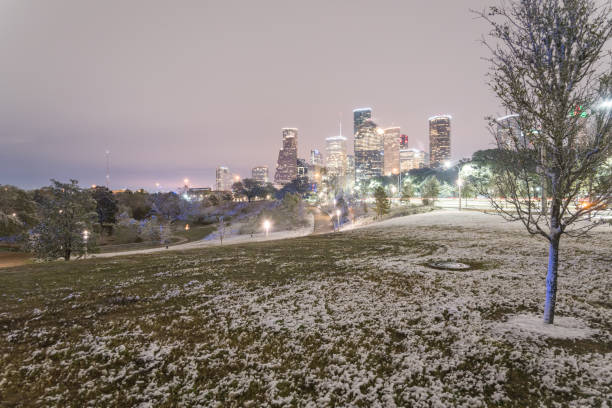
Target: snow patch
[[563, 328]]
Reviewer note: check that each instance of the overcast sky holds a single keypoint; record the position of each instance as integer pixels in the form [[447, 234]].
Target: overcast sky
[[175, 88]]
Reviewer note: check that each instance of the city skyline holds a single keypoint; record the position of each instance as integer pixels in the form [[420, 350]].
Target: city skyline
[[72, 90]]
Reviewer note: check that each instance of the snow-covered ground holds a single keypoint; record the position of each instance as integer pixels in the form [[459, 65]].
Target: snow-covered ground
[[350, 319], [231, 239]]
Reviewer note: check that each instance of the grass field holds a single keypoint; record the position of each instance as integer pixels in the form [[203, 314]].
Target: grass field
[[355, 318]]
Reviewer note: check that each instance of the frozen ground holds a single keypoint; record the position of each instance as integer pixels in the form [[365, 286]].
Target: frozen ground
[[349, 319], [230, 239]]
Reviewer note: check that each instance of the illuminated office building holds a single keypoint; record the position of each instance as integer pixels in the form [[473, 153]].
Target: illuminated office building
[[391, 141], [412, 159], [260, 174], [223, 179], [286, 166], [360, 116], [369, 151], [439, 139]]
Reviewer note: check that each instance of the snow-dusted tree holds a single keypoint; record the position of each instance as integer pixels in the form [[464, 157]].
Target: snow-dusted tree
[[430, 189], [381, 201], [66, 212], [551, 69]]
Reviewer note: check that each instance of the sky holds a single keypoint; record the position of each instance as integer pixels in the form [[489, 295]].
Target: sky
[[174, 89]]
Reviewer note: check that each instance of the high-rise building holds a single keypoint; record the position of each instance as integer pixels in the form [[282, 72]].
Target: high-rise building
[[224, 179], [350, 170], [412, 159], [335, 149], [508, 132], [404, 142], [439, 139], [369, 151], [286, 166], [315, 158], [302, 168], [360, 116], [391, 141], [260, 174]]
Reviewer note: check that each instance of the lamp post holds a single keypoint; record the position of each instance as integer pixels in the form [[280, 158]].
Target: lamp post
[[85, 237], [459, 184], [266, 225]]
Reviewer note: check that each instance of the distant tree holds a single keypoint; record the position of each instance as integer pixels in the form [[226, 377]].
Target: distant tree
[[249, 188], [407, 191], [430, 189], [166, 205], [382, 201], [238, 190], [550, 65], [106, 206], [66, 213], [138, 204], [18, 210]]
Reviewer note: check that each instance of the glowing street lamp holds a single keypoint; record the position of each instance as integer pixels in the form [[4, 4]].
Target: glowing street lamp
[[186, 181], [267, 225], [447, 164], [85, 238]]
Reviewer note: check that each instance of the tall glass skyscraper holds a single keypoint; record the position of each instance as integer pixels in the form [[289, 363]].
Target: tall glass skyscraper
[[315, 158], [286, 166], [391, 140], [360, 116], [369, 151], [439, 139], [335, 149], [223, 179]]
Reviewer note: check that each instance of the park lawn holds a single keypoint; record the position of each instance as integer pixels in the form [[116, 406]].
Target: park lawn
[[356, 318], [195, 233]]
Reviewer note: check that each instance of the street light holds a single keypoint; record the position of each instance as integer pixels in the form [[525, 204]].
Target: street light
[[85, 237], [459, 184], [266, 225], [447, 164], [607, 104]]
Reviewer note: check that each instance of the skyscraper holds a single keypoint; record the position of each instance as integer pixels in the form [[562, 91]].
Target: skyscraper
[[369, 151], [224, 179], [335, 149], [302, 168], [260, 174], [286, 166], [404, 142], [391, 141], [439, 139], [508, 132], [315, 158], [412, 159], [360, 116]]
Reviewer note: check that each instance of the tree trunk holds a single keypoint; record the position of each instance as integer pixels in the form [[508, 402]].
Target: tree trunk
[[553, 264], [551, 281], [67, 254]]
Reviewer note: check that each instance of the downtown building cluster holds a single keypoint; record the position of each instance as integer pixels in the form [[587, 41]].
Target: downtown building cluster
[[378, 151]]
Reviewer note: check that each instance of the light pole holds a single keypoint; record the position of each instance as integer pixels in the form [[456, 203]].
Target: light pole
[[266, 226], [459, 184], [85, 237]]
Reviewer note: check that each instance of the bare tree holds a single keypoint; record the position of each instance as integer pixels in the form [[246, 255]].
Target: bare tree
[[549, 67]]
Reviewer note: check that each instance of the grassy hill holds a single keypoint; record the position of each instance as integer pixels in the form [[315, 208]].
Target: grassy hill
[[356, 318]]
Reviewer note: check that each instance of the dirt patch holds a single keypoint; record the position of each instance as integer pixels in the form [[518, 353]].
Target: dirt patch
[[9, 259]]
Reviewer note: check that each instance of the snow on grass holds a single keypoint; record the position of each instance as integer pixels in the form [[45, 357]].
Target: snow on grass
[[350, 319], [564, 327]]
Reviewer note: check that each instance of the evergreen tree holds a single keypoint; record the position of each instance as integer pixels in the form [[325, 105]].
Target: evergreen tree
[[382, 201], [430, 189]]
